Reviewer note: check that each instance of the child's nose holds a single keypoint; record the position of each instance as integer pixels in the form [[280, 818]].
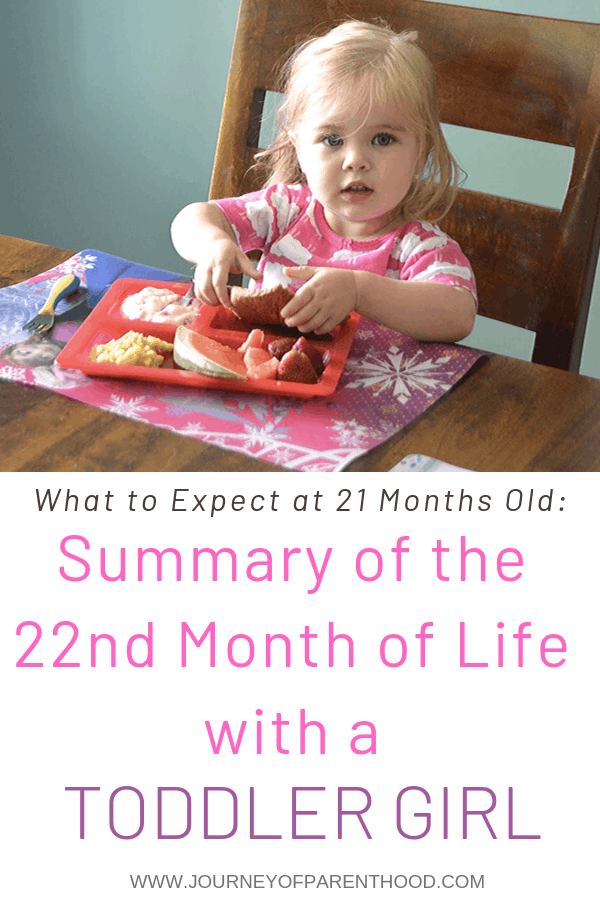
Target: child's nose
[[355, 159]]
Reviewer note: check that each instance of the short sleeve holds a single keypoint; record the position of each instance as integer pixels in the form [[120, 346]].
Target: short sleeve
[[425, 253], [260, 218]]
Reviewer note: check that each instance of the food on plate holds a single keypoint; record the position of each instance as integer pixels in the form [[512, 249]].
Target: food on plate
[[261, 307], [266, 369], [256, 338], [312, 353], [296, 366], [132, 349], [157, 305], [194, 351], [281, 345], [254, 356], [197, 353]]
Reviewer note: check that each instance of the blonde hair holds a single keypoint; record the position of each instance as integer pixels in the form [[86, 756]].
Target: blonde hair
[[365, 64]]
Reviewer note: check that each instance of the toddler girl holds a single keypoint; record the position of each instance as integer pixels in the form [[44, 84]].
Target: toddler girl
[[358, 173]]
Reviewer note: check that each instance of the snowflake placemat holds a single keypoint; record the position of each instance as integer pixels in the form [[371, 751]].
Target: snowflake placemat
[[389, 380]]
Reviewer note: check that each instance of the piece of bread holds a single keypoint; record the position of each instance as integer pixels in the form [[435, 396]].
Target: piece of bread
[[262, 307]]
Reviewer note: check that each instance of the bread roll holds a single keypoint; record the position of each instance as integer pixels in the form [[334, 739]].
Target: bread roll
[[261, 307]]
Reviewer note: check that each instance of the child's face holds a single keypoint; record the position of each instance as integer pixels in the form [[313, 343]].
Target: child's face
[[359, 168]]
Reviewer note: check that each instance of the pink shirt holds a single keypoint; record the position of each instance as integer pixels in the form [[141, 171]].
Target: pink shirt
[[289, 226]]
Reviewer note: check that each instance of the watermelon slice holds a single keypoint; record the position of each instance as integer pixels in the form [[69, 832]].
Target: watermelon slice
[[197, 353]]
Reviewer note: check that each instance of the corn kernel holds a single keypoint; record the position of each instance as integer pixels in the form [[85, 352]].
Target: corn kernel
[[132, 349]]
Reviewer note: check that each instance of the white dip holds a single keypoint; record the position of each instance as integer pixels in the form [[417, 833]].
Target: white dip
[[157, 305]]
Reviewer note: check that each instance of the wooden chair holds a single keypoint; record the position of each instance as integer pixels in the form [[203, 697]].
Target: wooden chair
[[510, 74]]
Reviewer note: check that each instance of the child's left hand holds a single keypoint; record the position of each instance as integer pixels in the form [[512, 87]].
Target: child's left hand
[[326, 299]]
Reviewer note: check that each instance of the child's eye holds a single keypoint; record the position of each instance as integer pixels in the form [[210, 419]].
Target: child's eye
[[332, 140], [384, 139]]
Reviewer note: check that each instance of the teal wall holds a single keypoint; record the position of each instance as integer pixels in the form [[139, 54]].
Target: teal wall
[[110, 113]]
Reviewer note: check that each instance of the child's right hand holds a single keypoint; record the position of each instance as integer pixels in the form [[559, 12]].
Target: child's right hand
[[220, 258]]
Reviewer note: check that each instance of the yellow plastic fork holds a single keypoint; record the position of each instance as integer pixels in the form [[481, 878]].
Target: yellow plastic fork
[[44, 320]]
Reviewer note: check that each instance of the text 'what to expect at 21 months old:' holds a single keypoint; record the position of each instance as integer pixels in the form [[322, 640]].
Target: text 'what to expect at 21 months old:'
[[185, 500]]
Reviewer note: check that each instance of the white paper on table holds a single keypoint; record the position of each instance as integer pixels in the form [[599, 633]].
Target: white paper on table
[[416, 462]]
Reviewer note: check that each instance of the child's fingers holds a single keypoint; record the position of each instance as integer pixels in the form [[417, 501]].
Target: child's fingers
[[204, 288], [320, 323], [302, 296], [327, 326], [310, 315], [294, 305], [303, 310], [211, 286], [316, 323], [248, 268], [219, 282]]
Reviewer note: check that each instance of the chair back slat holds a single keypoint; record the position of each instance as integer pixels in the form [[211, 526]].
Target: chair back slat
[[536, 65], [492, 236]]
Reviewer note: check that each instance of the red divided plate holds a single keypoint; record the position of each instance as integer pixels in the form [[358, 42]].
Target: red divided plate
[[105, 322]]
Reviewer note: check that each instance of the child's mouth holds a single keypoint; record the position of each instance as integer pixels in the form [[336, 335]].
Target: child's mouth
[[357, 192]]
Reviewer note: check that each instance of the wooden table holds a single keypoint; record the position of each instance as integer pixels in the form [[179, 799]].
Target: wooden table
[[506, 416]]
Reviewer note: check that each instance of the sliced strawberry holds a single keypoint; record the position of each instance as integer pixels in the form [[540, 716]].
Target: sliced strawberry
[[256, 338], [312, 353], [281, 345], [296, 366], [266, 369]]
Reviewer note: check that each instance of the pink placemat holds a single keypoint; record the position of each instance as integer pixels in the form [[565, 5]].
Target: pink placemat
[[389, 380]]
